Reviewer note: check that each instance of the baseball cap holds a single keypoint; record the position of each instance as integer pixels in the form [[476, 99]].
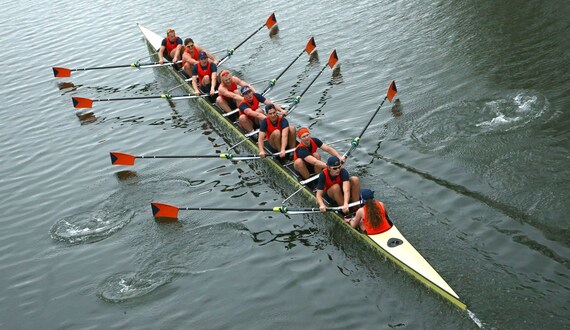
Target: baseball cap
[[333, 161], [245, 89], [366, 194], [202, 55]]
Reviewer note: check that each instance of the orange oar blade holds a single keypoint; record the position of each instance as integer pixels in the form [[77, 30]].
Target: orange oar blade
[[119, 158], [271, 21], [82, 102], [60, 72], [160, 210], [391, 91], [310, 46], [333, 59]]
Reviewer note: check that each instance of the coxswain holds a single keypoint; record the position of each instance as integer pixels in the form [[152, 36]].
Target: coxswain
[[276, 131], [306, 158], [190, 55], [204, 75], [372, 218], [250, 113], [336, 186], [173, 47], [229, 95]]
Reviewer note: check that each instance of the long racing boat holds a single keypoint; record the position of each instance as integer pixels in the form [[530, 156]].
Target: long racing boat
[[391, 243]]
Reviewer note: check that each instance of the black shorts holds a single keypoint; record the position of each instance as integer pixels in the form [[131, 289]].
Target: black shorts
[[205, 89]]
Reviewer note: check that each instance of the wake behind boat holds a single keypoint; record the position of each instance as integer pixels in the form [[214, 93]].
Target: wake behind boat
[[390, 243]]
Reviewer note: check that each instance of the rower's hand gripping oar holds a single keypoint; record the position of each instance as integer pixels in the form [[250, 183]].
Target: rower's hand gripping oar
[[161, 210], [83, 102], [61, 72], [333, 59], [120, 158], [356, 141]]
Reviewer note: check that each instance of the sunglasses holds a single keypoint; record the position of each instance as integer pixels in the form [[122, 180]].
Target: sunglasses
[[334, 168]]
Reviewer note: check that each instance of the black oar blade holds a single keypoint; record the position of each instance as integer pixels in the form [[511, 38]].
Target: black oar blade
[[161, 210], [60, 72]]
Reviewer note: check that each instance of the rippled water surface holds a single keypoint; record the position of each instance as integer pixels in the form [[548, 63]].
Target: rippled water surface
[[472, 162]]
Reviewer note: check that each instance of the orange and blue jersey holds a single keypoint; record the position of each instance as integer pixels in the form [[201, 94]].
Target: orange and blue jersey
[[268, 127], [170, 46], [257, 98], [326, 180], [201, 72], [302, 151]]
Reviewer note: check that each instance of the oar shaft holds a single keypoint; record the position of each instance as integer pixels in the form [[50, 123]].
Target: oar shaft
[[356, 141], [297, 99], [230, 52], [272, 82]]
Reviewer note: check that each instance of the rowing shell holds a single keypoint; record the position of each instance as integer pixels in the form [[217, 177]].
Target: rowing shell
[[391, 243]]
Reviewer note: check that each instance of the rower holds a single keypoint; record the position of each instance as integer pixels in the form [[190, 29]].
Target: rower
[[372, 218], [172, 44], [250, 114], [275, 130], [204, 75], [190, 56], [306, 158], [229, 95], [336, 186]]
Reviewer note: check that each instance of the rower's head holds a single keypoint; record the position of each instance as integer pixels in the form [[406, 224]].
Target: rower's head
[[270, 111], [246, 93], [189, 43], [170, 34], [304, 136], [366, 194], [226, 76], [203, 57], [334, 165]]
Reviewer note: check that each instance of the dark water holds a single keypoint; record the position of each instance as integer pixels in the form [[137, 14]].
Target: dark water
[[473, 166]]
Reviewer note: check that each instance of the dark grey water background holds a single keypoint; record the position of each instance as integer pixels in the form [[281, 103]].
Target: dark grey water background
[[473, 167]]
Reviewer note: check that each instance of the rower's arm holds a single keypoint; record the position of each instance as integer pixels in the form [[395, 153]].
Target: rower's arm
[[195, 84], [320, 198], [284, 138], [260, 141], [161, 54], [346, 191]]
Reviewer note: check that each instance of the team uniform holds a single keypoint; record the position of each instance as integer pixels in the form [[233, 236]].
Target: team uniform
[[229, 100], [170, 46], [326, 181], [268, 128], [257, 99], [201, 72], [303, 151], [384, 225]]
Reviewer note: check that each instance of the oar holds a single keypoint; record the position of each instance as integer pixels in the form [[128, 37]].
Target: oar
[[333, 59], [161, 210], [309, 48], [355, 142], [120, 158], [83, 102], [61, 72], [271, 21]]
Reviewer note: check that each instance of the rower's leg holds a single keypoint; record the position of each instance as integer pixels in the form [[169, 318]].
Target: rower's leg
[[301, 168], [188, 69], [354, 188], [206, 80], [221, 102], [335, 192], [291, 139], [245, 123], [275, 140]]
